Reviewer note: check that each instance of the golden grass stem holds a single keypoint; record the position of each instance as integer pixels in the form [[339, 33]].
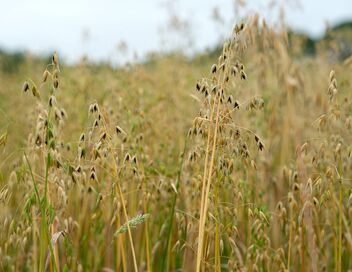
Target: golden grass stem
[[206, 163], [217, 234], [128, 226], [146, 227], [206, 195], [290, 242], [199, 250], [120, 248], [339, 267]]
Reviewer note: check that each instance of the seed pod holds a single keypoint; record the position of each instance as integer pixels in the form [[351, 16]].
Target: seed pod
[[63, 113], [263, 217], [25, 87], [35, 92], [332, 75], [304, 148], [315, 202], [91, 109], [195, 131], [56, 83], [239, 28], [82, 137], [260, 146], [214, 89], [93, 176], [329, 172], [38, 140], [279, 206], [119, 130], [309, 185], [198, 86], [55, 60], [213, 69], [134, 159], [243, 75], [290, 198], [52, 101], [81, 152], [334, 92], [127, 157], [253, 164], [234, 70], [242, 26], [45, 75], [295, 187], [256, 138], [58, 115]]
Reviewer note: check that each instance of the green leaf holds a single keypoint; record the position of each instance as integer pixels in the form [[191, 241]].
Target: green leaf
[[133, 223], [51, 214], [3, 139]]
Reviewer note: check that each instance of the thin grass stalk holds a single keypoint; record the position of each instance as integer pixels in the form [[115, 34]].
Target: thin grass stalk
[[217, 233], [146, 233], [35, 246], [302, 247], [147, 243], [290, 241], [199, 250], [339, 267], [172, 213], [204, 212], [119, 192], [121, 249], [128, 226]]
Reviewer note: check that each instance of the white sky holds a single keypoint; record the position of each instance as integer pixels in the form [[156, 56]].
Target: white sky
[[43, 26]]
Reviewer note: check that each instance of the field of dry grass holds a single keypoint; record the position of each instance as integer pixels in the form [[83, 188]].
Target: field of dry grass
[[241, 162]]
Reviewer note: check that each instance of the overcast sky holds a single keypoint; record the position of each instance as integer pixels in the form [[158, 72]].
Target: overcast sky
[[96, 28]]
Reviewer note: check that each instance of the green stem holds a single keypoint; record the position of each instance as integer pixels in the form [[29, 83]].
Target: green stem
[[340, 229], [165, 258]]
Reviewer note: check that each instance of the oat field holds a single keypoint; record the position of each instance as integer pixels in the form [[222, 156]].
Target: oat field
[[238, 160]]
